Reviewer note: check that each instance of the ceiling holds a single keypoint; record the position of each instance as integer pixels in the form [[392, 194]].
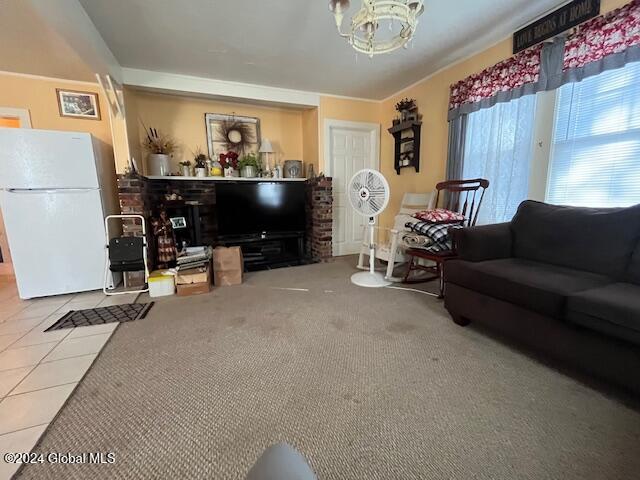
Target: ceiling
[[281, 43], [293, 43], [29, 45]]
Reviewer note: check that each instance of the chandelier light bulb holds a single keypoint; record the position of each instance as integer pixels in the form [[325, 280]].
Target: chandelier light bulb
[[339, 6], [369, 28]]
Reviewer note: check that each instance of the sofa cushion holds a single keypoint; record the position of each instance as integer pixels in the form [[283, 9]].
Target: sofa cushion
[[598, 240], [537, 286], [611, 309]]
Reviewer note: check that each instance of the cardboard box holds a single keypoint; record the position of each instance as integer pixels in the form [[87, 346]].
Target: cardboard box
[[193, 289], [193, 281], [228, 266], [193, 275]]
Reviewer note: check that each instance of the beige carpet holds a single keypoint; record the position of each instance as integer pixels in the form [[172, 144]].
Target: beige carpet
[[367, 384]]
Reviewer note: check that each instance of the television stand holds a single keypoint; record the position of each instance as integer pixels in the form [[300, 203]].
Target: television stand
[[269, 250]]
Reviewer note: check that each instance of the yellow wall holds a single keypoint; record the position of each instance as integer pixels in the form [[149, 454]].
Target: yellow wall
[[183, 118], [310, 152], [432, 97], [38, 95]]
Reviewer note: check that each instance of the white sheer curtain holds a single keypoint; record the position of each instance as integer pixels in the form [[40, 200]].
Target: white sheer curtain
[[498, 147]]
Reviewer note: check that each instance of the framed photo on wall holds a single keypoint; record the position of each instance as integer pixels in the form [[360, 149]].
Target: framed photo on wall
[[78, 104], [232, 133]]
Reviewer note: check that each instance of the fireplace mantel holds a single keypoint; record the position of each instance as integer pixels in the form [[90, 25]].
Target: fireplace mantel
[[223, 179]]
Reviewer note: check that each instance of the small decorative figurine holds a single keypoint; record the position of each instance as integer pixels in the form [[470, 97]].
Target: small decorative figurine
[[165, 240]]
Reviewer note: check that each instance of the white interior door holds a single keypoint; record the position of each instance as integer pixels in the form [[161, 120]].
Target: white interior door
[[349, 147]]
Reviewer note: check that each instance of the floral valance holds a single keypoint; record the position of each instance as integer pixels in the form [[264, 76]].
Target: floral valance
[[605, 35], [606, 42], [512, 73]]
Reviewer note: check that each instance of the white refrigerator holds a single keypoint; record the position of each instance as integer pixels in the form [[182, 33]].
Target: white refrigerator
[[51, 195]]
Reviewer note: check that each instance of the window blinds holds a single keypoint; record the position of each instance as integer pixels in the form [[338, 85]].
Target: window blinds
[[595, 158]]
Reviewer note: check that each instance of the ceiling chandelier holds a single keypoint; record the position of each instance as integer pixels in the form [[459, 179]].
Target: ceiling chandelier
[[367, 33]]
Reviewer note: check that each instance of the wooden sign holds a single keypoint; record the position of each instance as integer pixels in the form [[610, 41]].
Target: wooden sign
[[549, 26]]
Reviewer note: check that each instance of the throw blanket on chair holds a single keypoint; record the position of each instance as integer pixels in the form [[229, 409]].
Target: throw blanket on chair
[[437, 235], [414, 240]]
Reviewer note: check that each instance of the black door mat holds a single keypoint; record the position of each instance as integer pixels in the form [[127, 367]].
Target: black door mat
[[98, 316]]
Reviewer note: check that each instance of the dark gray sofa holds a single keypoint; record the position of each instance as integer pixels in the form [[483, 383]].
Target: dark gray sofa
[[563, 280]]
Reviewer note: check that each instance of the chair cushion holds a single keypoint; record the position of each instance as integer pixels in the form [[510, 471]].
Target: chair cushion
[[612, 309], [598, 240], [537, 286]]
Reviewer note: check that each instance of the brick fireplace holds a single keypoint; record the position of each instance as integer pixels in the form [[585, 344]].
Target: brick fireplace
[[320, 219], [141, 195]]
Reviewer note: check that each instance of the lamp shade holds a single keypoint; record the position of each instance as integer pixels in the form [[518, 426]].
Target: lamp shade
[[266, 146]]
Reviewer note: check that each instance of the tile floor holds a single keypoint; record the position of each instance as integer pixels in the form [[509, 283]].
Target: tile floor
[[39, 370]]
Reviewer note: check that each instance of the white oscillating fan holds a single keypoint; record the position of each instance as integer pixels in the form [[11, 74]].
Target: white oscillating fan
[[369, 196]]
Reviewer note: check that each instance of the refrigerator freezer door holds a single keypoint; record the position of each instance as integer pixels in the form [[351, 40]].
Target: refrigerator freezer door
[[46, 159], [57, 240]]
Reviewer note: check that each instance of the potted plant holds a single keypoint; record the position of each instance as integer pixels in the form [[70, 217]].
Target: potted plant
[[249, 166], [186, 168], [407, 108], [229, 163], [200, 160], [160, 148]]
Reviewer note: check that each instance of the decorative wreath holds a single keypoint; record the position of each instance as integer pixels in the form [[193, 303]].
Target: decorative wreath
[[236, 135]]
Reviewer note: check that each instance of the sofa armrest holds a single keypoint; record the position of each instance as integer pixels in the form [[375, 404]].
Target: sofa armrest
[[485, 242]]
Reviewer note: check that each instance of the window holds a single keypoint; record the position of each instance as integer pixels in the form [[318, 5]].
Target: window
[[578, 145], [595, 152], [498, 147]]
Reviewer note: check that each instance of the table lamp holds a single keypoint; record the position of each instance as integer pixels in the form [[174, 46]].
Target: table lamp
[[266, 148]]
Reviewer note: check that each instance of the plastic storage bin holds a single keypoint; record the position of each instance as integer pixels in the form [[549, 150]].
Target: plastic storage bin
[[162, 283]]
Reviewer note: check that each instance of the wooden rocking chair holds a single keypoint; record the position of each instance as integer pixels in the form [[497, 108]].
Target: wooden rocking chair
[[453, 191]]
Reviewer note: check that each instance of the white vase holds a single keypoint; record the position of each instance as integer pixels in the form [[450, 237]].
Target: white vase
[[186, 170], [159, 164], [201, 172]]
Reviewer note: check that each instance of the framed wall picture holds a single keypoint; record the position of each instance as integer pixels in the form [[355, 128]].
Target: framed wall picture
[[232, 133], [78, 104]]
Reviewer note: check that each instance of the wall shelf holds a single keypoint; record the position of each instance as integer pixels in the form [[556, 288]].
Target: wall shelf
[[407, 145]]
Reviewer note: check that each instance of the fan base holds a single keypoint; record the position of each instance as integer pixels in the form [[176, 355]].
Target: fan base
[[369, 280]]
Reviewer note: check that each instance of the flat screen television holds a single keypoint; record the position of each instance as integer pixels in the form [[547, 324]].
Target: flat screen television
[[252, 208]]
